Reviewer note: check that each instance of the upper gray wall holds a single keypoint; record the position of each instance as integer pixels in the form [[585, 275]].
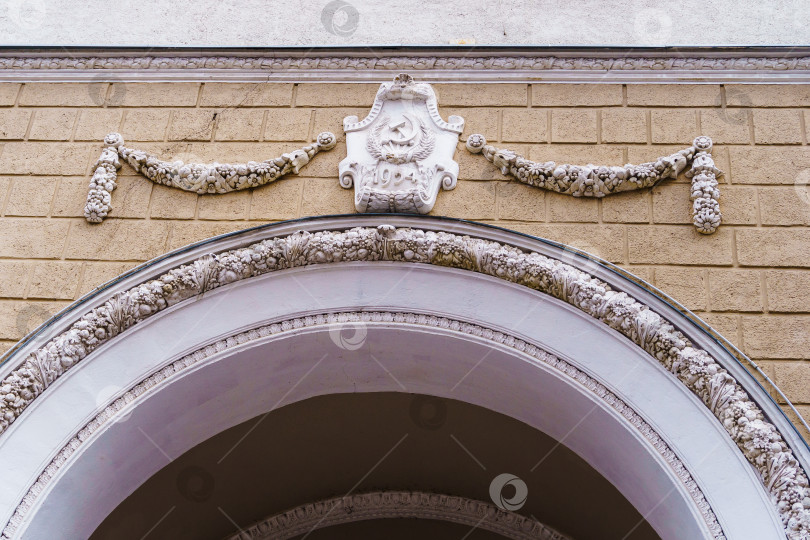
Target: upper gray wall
[[268, 23]]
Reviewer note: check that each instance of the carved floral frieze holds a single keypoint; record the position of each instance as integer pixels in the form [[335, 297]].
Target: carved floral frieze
[[398, 504], [195, 177], [402, 152], [759, 441], [599, 181]]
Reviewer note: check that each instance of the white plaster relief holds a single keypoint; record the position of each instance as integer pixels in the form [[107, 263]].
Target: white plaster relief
[[758, 440], [595, 65], [599, 181], [194, 177], [123, 404], [398, 504], [402, 152]]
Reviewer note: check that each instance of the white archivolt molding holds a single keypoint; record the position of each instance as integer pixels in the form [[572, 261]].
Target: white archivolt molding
[[430, 64], [366, 320], [397, 504], [762, 444]]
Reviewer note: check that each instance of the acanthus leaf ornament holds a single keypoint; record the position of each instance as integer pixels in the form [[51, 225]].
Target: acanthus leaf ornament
[[402, 152], [195, 177], [599, 181]]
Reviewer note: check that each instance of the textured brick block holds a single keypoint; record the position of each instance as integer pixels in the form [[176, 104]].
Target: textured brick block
[[96, 274], [289, 125], [630, 207], [524, 125], [603, 241], [727, 325], [32, 239], [674, 95], [192, 124], [785, 206], [184, 234], [239, 125], [576, 95], [71, 195], [278, 200], [31, 196], [735, 290], [174, 94], [19, 318], [116, 240], [14, 123], [55, 280], [13, 278], [671, 203], [145, 125], [246, 95], [781, 336], [131, 197], [673, 126], [53, 124], [573, 125], [763, 165], [726, 126], [624, 126], [768, 95], [229, 206], [469, 200], [788, 290], [738, 205], [332, 120], [793, 378], [338, 95], [482, 120], [670, 244], [773, 247], [63, 94], [777, 126], [567, 208], [519, 201], [8, 93], [686, 285], [95, 124], [171, 203], [325, 164], [480, 95], [577, 154]]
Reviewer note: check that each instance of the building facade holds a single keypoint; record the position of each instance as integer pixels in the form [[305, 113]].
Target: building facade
[[361, 334]]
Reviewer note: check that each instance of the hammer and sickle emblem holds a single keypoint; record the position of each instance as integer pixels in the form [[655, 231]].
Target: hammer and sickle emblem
[[402, 131]]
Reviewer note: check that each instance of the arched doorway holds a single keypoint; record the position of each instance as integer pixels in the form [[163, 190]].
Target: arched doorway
[[193, 344]]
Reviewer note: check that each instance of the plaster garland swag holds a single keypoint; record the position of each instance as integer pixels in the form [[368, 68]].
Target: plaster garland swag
[[599, 181], [194, 177], [743, 420]]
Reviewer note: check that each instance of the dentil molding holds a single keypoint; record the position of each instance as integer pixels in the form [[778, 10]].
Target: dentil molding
[[598, 181], [757, 439]]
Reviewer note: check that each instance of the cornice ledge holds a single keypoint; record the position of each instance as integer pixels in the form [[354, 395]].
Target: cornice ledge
[[448, 64]]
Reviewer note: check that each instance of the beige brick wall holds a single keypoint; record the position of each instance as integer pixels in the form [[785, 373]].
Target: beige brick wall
[[750, 280]]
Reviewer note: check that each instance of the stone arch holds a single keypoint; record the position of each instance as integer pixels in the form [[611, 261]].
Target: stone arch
[[665, 400]]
